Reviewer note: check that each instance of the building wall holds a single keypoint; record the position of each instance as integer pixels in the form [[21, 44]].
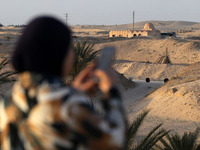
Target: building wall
[[122, 33], [138, 33]]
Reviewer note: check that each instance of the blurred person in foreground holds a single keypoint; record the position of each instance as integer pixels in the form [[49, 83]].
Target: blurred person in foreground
[[41, 112]]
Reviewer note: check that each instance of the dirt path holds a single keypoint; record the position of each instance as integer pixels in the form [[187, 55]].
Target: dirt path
[[141, 90]]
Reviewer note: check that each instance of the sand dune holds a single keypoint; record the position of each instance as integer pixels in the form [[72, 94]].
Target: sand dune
[[149, 50], [180, 98], [142, 71], [135, 58]]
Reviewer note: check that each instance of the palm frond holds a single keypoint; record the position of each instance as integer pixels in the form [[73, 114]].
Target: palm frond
[[151, 139], [176, 142], [132, 130], [85, 54], [5, 76], [3, 63]]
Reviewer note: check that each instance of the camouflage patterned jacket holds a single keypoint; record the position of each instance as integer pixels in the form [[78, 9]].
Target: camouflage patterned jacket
[[42, 113]]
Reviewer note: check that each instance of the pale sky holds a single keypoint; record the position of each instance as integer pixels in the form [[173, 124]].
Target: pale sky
[[99, 12]]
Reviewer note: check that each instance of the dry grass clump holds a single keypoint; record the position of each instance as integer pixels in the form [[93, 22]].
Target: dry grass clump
[[164, 59]]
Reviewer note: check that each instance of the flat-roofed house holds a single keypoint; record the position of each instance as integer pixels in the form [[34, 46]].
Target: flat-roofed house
[[148, 31]]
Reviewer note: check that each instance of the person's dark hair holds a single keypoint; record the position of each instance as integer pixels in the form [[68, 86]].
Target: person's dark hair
[[42, 47]]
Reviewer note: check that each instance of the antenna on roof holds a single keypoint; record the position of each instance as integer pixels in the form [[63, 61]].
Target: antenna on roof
[[133, 20]]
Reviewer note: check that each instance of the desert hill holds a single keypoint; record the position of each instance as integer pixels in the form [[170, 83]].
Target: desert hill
[[179, 98], [168, 25], [149, 50], [160, 25], [136, 58], [141, 71]]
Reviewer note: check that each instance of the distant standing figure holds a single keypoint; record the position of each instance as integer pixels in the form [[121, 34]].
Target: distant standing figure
[[42, 113]]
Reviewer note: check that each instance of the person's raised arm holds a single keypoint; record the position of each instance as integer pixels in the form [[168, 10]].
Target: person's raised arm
[[97, 132]]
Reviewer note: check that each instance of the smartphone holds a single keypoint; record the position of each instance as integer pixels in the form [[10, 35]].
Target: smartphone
[[105, 60]]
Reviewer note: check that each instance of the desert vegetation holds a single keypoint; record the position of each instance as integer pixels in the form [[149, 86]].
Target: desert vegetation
[[5, 76], [164, 59], [150, 140], [159, 138], [85, 54], [175, 142]]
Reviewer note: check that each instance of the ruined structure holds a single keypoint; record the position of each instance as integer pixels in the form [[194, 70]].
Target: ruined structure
[[148, 31]]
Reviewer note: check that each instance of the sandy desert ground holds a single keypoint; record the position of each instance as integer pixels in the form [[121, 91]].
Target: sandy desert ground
[[176, 104]]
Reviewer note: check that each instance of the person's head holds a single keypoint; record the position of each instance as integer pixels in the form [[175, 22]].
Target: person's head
[[45, 46]]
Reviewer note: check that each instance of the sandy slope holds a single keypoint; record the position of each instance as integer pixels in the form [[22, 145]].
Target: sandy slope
[[177, 102], [180, 98], [136, 58], [134, 104], [180, 51], [153, 71]]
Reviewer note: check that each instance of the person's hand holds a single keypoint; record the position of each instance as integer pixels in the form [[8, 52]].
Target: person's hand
[[105, 81], [84, 81]]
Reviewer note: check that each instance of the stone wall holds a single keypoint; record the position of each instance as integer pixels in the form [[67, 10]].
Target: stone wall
[[120, 33], [139, 33]]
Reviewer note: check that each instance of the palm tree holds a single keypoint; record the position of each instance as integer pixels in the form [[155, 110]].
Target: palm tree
[[85, 54], [150, 140], [5, 76], [175, 142]]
